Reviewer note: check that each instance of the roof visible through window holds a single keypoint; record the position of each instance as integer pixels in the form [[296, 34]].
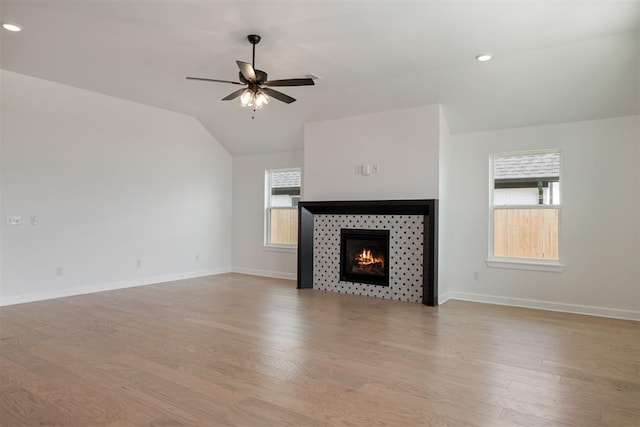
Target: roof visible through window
[[285, 179], [527, 166]]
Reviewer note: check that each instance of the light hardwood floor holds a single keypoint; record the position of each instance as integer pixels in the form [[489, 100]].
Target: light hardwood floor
[[250, 351]]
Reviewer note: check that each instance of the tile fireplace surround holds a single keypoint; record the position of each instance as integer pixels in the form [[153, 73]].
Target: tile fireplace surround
[[413, 246]]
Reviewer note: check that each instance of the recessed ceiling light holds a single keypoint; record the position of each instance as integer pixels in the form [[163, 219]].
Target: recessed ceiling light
[[484, 57], [11, 27]]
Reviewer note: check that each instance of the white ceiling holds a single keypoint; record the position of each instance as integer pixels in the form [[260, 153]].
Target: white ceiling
[[555, 60]]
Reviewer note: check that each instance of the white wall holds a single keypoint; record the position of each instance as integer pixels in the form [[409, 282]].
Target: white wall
[[403, 143], [443, 208], [249, 254], [111, 182], [600, 218], [2, 218]]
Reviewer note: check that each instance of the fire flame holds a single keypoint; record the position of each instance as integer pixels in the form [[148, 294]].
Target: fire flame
[[367, 258]]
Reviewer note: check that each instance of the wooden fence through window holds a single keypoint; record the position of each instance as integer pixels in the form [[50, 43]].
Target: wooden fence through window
[[525, 233], [284, 226]]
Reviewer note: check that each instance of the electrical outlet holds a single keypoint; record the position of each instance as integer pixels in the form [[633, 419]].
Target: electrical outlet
[[476, 275], [197, 257], [139, 263], [59, 271]]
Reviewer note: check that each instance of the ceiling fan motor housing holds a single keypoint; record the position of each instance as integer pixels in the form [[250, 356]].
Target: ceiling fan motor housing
[[261, 76]]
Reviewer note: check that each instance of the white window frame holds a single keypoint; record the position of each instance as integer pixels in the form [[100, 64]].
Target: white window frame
[[267, 217], [524, 263]]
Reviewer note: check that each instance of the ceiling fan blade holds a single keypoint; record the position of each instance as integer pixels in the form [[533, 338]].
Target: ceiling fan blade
[[247, 70], [233, 95], [213, 80], [290, 82], [278, 95]]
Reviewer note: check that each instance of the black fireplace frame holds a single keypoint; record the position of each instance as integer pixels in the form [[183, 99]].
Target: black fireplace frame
[[363, 234], [428, 208]]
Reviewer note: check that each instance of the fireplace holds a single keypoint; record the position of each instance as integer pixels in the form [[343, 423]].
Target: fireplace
[[364, 256], [413, 246]]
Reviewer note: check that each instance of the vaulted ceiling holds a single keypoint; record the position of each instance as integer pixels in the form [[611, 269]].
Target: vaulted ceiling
[[554, 61]]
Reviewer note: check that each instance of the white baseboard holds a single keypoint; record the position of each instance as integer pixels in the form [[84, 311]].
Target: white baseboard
[[265, 273], [614, 313], [60, 293], [444, 297]]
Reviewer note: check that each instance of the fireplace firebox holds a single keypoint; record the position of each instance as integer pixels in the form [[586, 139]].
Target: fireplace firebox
[[364, 256]]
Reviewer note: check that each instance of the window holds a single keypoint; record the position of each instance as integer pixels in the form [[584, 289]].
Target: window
[[525, 208], [282, 194]]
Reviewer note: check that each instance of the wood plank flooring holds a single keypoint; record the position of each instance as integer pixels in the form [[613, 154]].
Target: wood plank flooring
[[250, 351]]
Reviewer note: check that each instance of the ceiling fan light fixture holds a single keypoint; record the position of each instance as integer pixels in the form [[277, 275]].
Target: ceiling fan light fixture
[[261, 100], [253, 98], [247, 98]]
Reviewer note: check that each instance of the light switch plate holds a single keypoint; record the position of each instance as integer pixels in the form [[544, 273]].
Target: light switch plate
[[14, 220]]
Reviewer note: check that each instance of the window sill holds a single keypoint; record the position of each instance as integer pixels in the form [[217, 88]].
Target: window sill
[[522, 264], [281, 248]]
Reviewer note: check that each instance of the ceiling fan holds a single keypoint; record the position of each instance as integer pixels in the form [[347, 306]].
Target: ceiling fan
[[258, 89]]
